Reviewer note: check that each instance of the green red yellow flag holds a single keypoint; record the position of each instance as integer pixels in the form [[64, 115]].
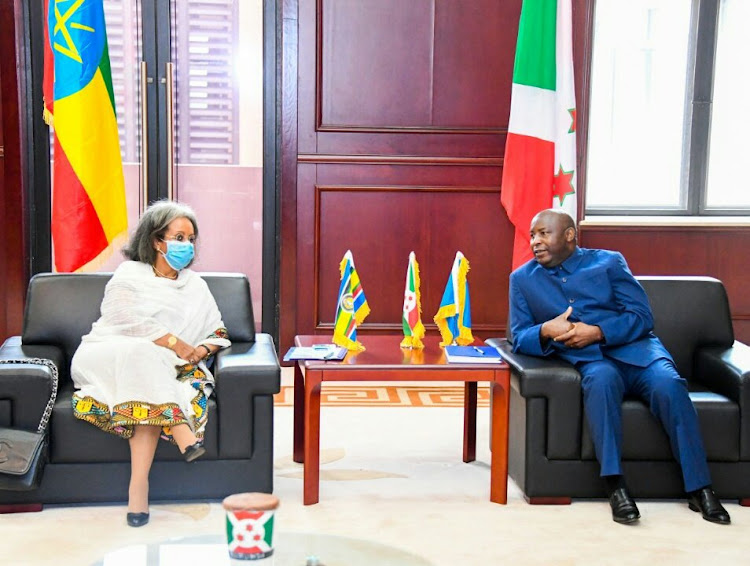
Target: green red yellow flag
[[89, 215], [412, 313]]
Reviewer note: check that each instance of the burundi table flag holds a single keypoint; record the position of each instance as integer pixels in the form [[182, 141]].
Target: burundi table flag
[[539, 169], [352, 307], [453, 318], [412, 317], [88, 202]]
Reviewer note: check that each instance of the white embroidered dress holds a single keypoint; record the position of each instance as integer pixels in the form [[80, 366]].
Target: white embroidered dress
[[122, 377]]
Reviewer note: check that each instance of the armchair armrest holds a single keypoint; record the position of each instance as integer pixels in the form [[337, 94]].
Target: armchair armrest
[[14, 349], [256, 360], [559, 383], [245, 373], [540, 377], [727, 371], [24, 388]]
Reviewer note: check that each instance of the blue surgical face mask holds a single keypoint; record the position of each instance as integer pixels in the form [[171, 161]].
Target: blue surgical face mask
[[179, 254]]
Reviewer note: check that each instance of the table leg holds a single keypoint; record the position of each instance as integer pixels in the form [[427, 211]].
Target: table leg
[[499, 389], [298, 453], [470, 421], [311, 473]]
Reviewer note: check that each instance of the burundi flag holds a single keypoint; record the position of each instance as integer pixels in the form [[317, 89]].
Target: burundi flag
[[412, 317], [539, 169], [352, 307], [453, 318], [250, 534], [88, 200]]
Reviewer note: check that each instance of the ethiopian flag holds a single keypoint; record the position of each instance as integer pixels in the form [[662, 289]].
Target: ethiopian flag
[[352, 307], [539, 168], [88, 201], [412, 317], [453, 318]]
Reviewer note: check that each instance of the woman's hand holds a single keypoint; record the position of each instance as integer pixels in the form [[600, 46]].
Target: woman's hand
[[187, 352], [203, 350], [183, 350]]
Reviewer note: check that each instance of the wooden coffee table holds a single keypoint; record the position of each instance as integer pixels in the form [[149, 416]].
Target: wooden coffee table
[[384, 360]]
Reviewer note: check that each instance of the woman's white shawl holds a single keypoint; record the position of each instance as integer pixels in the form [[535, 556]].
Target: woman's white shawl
[[118, 360]]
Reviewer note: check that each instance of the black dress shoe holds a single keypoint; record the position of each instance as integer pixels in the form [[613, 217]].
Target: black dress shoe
[[705, 501], [194, 451], [137, 519], [623, 507]]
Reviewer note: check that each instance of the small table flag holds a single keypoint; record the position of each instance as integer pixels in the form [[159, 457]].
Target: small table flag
[[453, 318], [412, 314], [352, 307]]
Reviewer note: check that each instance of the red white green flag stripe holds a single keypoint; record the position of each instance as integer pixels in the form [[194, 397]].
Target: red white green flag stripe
[[250, 534], [412, 313], [539, 169]]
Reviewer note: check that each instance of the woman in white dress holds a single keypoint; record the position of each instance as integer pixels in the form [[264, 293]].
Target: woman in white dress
[[141, 372]]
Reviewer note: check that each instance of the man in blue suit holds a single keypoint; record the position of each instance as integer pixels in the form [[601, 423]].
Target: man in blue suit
[[585, 306]]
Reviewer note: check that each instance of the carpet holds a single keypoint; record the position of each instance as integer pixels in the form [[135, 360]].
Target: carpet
[[387, 396]]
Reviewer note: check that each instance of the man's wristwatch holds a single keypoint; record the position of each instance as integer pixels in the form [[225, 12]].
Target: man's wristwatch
[[171, 341]]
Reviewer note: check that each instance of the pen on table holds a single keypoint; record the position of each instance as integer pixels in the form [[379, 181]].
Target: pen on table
[[478, 350]]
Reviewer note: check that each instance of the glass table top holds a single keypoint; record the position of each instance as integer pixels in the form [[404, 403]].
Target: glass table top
[[290, 549]]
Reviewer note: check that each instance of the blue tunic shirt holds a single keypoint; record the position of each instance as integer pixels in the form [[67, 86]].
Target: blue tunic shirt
[[602, 291]]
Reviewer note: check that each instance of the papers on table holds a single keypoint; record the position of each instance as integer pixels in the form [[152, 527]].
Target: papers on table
[[316, 352], [472, 355]]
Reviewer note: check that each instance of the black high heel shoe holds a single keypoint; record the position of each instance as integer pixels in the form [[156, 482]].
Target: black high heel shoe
[[194, 451], [137, 519]]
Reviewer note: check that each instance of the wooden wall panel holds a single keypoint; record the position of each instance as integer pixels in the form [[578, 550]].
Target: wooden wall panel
[[421, 143], [400, 208], [390, 222], [709, 251], [3, 255], [472, 86], [287, 177], [423, 64], [401, 115], [13, 272], [376, 62]]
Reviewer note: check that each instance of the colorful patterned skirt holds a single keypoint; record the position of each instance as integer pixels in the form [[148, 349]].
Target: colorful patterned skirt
[[122, 418]]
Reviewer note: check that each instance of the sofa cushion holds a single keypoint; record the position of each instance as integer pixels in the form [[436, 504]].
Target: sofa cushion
[[644, 437], [75, 441]]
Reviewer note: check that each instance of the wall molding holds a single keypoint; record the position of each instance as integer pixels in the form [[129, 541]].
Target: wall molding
[[399, 160]]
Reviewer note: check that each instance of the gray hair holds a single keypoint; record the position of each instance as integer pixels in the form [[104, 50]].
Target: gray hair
[[153, 226]]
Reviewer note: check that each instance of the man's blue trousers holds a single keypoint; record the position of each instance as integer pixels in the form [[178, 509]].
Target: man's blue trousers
[[605, 383]]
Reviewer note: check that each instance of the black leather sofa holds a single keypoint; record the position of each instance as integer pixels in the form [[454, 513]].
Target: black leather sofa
[[551, 457], [88, 465]]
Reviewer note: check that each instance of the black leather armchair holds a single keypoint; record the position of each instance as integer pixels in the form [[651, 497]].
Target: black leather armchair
[[551, 456], [87, 465]]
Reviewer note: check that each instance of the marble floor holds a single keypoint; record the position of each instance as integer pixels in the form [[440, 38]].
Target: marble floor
[[394, 475]]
